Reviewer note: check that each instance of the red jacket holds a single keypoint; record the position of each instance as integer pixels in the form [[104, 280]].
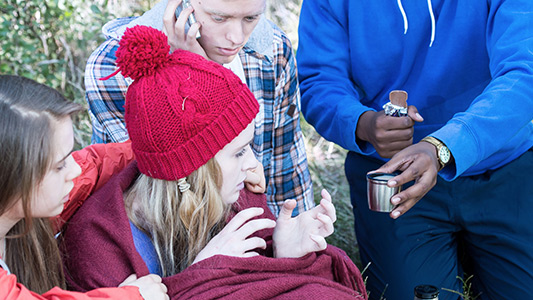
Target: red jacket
[[11, 290], [98, 163]]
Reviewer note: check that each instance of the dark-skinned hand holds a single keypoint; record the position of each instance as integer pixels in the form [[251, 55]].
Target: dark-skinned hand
[[417, 162], [389, 135]]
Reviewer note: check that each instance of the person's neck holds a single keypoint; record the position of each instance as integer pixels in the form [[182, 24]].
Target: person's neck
[[6, 223]]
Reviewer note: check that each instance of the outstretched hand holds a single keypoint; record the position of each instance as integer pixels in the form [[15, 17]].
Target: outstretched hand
[[234, 239], [417, 162], [306, 233], [175, 29]]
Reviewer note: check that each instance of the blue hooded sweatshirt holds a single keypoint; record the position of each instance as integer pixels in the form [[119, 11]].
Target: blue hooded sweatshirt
[[467, 66]]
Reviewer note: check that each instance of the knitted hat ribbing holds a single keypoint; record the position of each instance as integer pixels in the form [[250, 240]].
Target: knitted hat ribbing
[[181, 109]]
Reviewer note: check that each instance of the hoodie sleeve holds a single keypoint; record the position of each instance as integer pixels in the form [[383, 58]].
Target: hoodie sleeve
[[498, 122], [330, 99]]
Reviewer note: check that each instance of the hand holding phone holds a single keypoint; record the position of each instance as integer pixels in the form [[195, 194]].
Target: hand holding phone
[[177, 27], [190, 20]]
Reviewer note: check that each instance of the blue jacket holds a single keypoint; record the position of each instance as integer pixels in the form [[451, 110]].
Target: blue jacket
[[467, 66]]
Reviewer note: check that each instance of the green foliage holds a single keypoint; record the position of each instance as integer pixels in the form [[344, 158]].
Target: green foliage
[[468, 293], [50, 41], [45, 40]]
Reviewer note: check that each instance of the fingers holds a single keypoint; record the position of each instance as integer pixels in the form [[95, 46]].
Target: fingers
[[417, 162], [150, 286], [392, 134], [240, 227], [286, 210], [390, 123], [169, 16], [154, 277], [325, 195], [129, 279], [253, 243], [252, 177], [174, 28], [242, 217], [254, 188], [327, 205], [179, 25], [329, 209], [406, 199], [255, 180], [319, 241], [250, 254], [400, 162], [191, 34], [412, 112], [327, 225], [252, 226]]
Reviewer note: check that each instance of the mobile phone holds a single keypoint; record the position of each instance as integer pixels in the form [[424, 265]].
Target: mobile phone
[[191, 20]]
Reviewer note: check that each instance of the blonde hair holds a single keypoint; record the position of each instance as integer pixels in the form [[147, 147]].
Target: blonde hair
[[180, 224]]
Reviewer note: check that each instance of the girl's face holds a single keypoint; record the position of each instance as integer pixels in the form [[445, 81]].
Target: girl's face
[[52, 192], [235, 159]]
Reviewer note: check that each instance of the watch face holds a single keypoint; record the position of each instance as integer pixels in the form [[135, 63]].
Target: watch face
[[444, 155]]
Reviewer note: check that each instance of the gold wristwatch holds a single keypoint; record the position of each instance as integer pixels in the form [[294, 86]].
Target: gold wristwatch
[[443, 153]]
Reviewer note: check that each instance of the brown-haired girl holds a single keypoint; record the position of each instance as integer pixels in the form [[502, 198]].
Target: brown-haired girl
[[36, 176]]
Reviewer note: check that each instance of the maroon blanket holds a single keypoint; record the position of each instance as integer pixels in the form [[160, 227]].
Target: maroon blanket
[[98, 251]]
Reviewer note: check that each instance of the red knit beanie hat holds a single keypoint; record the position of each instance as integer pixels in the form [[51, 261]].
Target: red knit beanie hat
[[181, 109]]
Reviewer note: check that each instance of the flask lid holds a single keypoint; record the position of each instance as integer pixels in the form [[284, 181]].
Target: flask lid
[[426, 291]]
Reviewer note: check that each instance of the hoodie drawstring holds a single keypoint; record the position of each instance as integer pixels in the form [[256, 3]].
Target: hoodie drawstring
[[432, 16], [406, 23]]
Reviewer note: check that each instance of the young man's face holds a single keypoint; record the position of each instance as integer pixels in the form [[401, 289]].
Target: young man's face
[[226, 25]]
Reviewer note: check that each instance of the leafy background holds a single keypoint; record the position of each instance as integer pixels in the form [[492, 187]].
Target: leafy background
[[50, 41]]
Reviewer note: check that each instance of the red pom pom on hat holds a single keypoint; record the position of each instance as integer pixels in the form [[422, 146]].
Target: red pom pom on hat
[[142, 51], [181, 109]]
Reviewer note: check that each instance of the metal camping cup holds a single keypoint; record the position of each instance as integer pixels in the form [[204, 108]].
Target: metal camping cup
[[378, 193]]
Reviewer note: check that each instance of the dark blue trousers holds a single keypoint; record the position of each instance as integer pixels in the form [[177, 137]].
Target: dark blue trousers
[[481, 225]]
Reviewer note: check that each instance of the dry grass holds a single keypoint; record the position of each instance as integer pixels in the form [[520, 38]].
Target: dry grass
[[326, 164]]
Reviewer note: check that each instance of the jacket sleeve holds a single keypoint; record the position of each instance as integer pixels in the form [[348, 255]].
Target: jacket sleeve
[[330, 99], [10, 289], [98, 162], [499, 119]]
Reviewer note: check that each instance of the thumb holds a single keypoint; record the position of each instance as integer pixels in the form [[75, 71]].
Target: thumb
[[286, 209], [128, 280], [319, 241], [412, 112]]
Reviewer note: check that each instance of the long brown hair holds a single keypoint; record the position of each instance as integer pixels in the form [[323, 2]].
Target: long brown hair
[[27, 110], [180, 224]]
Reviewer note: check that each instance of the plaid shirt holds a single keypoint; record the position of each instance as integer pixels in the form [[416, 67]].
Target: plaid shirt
[[272, 77]]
